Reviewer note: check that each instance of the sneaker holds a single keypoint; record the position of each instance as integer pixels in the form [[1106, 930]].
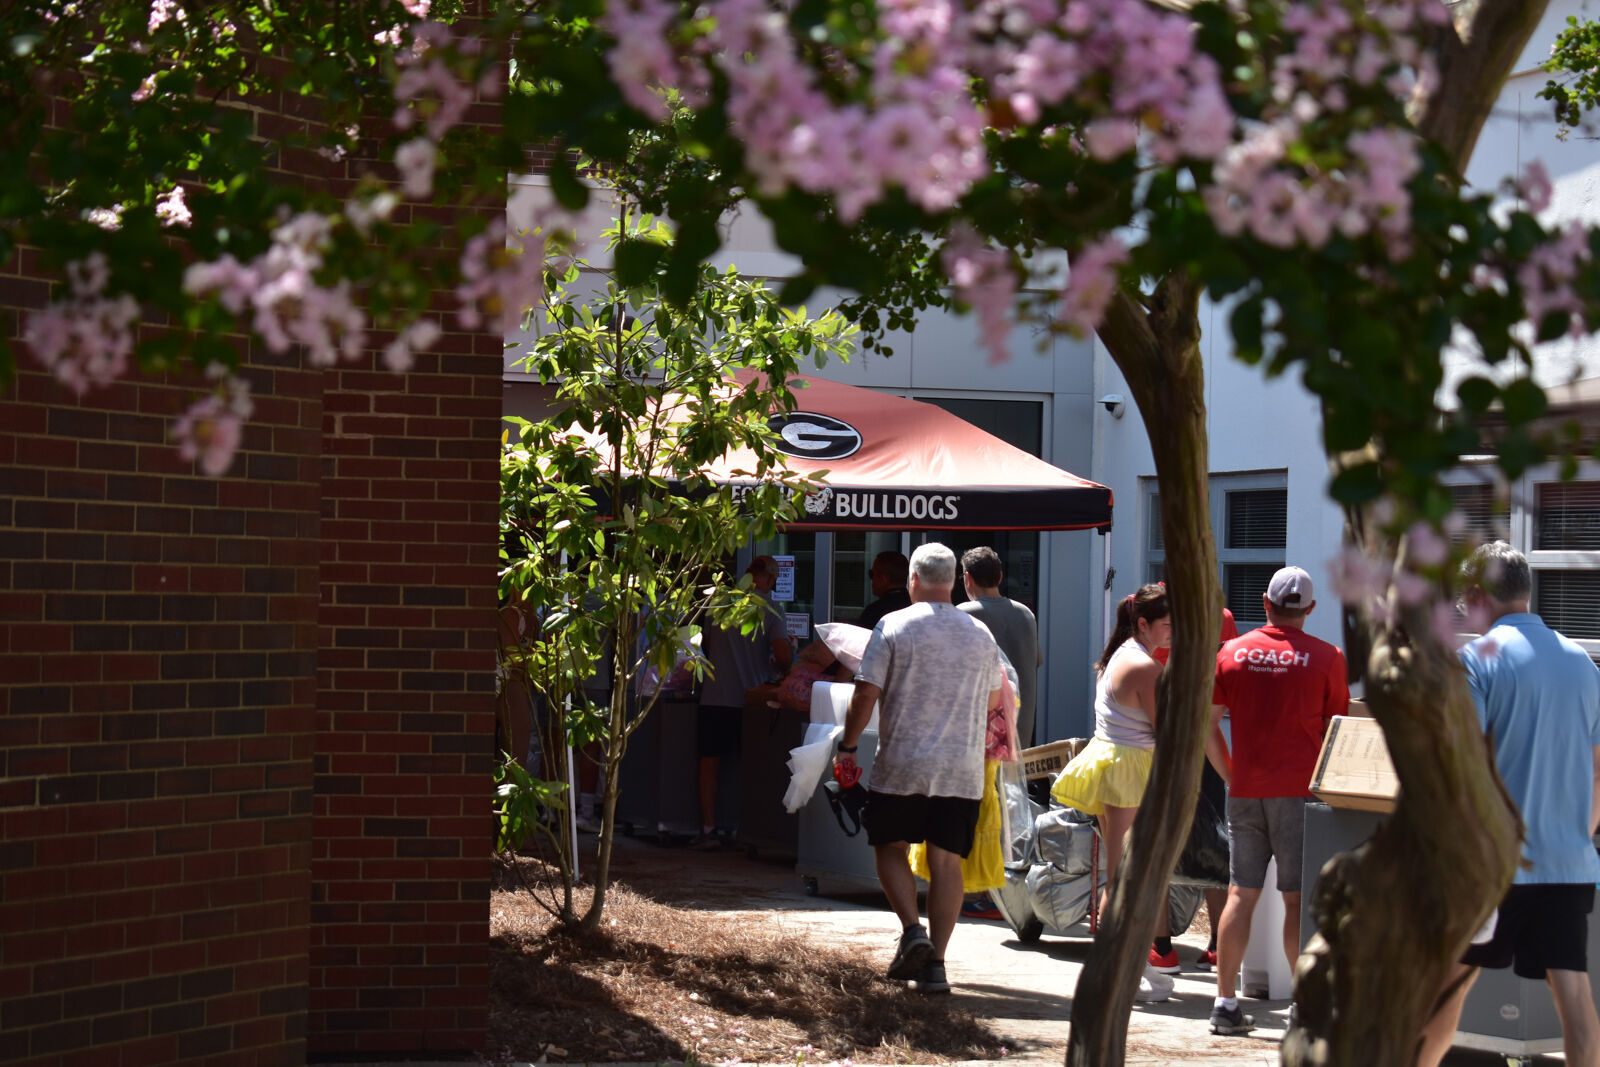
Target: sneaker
[[705, 843], [1207, 960], [1167, 964], [933, 979], [588, 824], [1154, 987], [981, 908], [1227, 1021], [914, 953]]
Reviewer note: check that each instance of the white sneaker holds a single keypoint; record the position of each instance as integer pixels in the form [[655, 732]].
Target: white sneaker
[[1154, 986]]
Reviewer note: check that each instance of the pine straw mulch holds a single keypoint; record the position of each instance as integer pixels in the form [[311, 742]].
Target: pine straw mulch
[[662, 983]]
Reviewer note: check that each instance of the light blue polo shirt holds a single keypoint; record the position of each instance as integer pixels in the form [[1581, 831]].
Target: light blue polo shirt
[[1538, 697]]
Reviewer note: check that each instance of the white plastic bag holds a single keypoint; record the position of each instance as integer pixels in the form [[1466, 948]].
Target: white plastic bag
[[808, 763]]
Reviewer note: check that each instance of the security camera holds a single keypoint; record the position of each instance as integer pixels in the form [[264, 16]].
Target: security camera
[[1113, 403]]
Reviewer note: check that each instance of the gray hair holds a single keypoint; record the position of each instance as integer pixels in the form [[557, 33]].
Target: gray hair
[[934, 565], [1500, 571]]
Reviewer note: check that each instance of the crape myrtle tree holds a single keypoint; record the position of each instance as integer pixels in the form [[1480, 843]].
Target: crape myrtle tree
[[1297, 161], [627, 543]]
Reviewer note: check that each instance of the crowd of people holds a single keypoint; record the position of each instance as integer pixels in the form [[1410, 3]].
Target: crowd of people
[[930, 668]]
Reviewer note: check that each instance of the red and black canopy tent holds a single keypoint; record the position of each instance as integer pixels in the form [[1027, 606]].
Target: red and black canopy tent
[[898, 464]]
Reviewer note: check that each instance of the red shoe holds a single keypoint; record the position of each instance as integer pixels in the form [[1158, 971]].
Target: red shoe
[[1207, 960], [1167, 964]]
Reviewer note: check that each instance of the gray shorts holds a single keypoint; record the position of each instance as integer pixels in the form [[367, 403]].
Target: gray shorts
[[1261, 829]]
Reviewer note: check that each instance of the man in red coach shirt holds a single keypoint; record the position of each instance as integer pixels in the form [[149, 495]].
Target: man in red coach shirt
[[1280, 686]]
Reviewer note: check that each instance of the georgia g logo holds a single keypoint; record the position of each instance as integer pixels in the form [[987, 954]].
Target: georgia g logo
[[807, 435]]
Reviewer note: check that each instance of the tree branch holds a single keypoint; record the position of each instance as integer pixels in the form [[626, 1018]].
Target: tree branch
[[1474, 58]]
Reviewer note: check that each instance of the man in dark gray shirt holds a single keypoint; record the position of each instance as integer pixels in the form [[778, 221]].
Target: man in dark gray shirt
[[889, 573], [738, 663], [1013, 625]]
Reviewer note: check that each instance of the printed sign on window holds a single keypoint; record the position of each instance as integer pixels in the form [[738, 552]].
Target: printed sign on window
[[785, 588]]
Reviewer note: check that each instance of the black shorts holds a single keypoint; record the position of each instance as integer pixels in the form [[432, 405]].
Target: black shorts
[[1539, 928], [719, 731], [949, 823]]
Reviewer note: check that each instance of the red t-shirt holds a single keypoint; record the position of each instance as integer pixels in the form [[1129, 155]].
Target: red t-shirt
[[1281, 686], [1230, 630]]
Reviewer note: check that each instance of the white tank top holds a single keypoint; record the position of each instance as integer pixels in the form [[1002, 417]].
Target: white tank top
[[1115, 721]]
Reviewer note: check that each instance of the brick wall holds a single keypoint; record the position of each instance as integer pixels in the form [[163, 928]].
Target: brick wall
[[246, 723], [158, 650], [405, 716]]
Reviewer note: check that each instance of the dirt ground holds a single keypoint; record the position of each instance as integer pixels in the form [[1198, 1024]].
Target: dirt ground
[[681, 969]]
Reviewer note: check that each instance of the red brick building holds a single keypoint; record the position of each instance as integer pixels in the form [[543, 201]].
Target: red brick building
[[246, 723]]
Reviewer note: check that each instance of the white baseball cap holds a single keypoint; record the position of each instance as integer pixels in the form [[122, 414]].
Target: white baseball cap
[[1291, 588]]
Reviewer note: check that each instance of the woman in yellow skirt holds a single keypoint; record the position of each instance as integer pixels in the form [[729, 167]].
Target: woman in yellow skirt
[[1108, 777]]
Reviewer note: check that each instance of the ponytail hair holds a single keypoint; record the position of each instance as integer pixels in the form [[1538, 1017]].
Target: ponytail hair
[[1149, 603]]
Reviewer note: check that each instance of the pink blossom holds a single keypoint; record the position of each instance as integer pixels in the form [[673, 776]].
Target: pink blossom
[[86, 339], [983, 277], [1447, 625], [172, 209], [415, 160], [1111, 138], [211, 428], [1425, 547], [399, 354], [161, 11], [1535, 186], [1091, 282], [1547, 278], [450, 102], [1358, 578], [107, 218]]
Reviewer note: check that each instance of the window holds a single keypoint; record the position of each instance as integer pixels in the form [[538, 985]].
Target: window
[[1250, 520], [1565, 557]]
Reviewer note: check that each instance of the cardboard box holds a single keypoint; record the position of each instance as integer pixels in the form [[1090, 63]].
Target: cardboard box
[[1046, 761], [1353, 768]]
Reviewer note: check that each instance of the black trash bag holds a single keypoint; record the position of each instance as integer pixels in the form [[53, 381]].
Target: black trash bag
[[1204, 861]]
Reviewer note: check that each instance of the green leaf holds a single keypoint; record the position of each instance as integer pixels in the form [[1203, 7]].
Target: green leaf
[[569, 191], [636, 260], [1523, 401], [1477, 394]]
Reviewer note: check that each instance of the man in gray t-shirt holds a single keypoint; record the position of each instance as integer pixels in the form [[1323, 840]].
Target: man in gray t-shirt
[[1015, 629], [935, 670]]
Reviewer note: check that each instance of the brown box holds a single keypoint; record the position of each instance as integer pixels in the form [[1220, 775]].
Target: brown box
[[1046, 761], [1353, 768]]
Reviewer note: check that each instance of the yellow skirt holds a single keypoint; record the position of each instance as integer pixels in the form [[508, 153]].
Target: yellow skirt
[[1102, 774], [985, 866]]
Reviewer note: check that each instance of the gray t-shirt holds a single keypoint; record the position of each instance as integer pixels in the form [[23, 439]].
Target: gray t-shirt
[[1017, 633], [739, 662], [936, 666]]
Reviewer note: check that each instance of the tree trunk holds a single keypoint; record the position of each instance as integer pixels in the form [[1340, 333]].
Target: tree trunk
[[1394, 914], [1159, 355], [616, 748]]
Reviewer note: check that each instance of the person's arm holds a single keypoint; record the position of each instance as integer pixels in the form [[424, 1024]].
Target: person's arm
[[856, 719], [1217, 747], [1594, 804], [782, 653]]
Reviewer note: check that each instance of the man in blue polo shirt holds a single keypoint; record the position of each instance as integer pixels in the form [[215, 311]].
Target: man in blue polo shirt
[[1538, 696]]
